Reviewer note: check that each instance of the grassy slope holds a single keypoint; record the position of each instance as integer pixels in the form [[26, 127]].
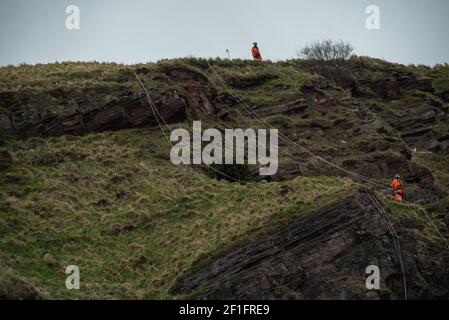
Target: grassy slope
[[111, 204], [44, 84], [429, 228]]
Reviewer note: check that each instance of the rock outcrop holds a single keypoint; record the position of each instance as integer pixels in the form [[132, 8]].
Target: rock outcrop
[[189, 94], [323, 256], [365, 126], [392, 85], [111, 110], [13, 287], [362, 137]]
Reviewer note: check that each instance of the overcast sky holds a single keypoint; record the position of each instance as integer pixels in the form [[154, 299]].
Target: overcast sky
[[34, 31]]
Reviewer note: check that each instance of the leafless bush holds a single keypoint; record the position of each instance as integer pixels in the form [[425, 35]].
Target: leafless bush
[[328, 58], [327, 51]]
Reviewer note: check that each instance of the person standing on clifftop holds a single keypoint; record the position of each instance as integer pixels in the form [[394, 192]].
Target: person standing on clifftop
[[256, 52]]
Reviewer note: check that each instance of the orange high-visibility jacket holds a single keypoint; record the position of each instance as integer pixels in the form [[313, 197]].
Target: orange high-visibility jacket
[[256, 54], [397, 186]]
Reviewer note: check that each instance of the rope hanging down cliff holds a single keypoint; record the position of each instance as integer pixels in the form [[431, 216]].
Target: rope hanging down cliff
[[394, 235], [258, 118], [372, 197], [158, 115], [161, 122]]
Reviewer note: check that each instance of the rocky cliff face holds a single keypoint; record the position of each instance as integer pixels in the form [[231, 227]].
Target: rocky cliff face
[[325, 256], [373, 124], [358, 126], [99, 109], [94, 110]]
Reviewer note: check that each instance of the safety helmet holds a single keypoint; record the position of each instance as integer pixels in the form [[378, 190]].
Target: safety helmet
[[397, 176]]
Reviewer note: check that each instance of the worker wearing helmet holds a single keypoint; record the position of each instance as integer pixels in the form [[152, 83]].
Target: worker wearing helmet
[[256, 52], [398, 188]]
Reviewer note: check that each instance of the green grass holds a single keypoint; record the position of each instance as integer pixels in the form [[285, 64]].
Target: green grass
[[130, 220], [428, 218], [429, 227], [66, 75], [113, 204], [439, 164], [266, 84], [439, 75], [276, 82]]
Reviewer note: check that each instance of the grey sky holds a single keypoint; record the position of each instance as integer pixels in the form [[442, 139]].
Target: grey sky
[[32, 31]]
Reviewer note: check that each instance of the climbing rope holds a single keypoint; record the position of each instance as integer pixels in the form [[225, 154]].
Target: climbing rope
[[153, 108], [158, 115], [374, 200], [257, 117], [394, 235]]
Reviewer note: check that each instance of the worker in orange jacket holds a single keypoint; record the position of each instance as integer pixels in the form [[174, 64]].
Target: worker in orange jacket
[[398, 188], [256, 52]]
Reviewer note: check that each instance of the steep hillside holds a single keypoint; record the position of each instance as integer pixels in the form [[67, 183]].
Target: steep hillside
[[85, 179], [114, 205]]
